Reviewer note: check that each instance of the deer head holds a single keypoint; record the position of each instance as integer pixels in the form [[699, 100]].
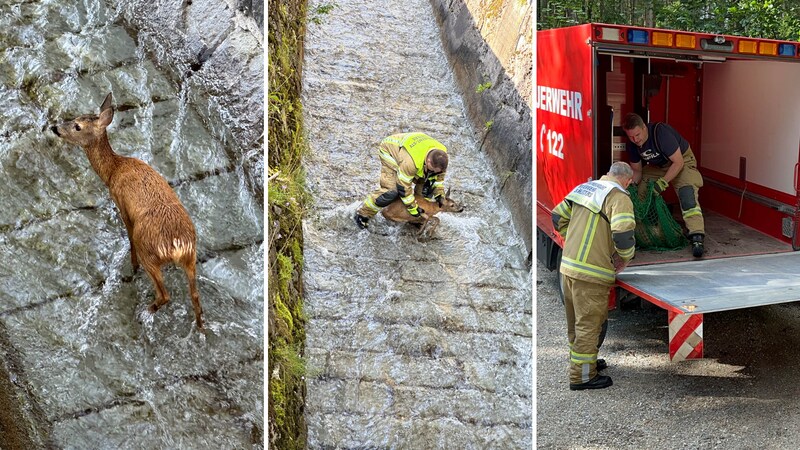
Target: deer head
[[450, 205], [85, 130]]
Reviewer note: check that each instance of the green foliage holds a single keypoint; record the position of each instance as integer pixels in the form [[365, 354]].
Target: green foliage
[[562, 13], [483, 86], [319, 11], [286, 202], [506, 175], [488, 125], [284, 393], [771, 19]]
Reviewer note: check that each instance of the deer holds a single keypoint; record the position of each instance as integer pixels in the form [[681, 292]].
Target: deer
[[159, 228], [397, 212]]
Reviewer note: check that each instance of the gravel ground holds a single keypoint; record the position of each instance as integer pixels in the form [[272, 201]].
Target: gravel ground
[[742, 395]]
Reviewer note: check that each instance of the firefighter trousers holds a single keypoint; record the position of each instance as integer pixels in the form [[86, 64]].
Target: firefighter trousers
[[587, 309], [382, 196], [687, 185]]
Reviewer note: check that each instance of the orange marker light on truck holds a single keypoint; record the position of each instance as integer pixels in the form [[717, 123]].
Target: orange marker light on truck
[[747, 46], [767, 48], [662, 39], [685, 41]]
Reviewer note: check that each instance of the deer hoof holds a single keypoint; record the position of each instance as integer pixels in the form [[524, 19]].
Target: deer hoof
[[153, 308]]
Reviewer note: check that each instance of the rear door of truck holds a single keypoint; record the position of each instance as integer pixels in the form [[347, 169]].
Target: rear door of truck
[[564, 132]]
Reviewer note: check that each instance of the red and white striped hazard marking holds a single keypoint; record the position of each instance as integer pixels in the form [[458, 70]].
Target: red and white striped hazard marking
[[685, 336]]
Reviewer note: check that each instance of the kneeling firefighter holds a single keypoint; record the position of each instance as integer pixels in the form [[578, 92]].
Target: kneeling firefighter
[[658, 152], [406, 159]]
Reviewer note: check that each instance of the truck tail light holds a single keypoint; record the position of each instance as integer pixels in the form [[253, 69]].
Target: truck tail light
[[611, 34]]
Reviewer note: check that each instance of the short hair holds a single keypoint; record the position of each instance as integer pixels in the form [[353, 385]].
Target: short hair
[[620, 169], [438, 160], [631, 121]]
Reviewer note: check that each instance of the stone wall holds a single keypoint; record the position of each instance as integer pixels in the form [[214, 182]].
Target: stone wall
[[491, 42]]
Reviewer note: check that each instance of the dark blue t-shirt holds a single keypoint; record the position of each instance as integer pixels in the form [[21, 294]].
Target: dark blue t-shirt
[[668, 141]]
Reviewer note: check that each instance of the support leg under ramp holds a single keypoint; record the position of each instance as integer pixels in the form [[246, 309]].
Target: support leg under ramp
[[685, 336]]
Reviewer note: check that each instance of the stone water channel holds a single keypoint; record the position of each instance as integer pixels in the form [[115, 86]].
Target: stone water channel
[[83, 364], [409, 344]]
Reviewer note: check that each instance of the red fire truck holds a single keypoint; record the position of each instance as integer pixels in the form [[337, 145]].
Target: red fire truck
[[737, 101]]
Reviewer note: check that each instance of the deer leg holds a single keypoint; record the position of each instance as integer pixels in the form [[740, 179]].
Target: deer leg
[[189, 268], [134, 259], [129, 229], [425, 232], [162, 296]]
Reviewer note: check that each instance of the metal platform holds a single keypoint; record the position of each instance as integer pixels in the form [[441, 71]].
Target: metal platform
[[705, 286], [725, 238]]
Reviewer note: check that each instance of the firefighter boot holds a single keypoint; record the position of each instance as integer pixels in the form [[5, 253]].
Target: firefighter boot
[[361, 221], [697, 245], [598, 382]]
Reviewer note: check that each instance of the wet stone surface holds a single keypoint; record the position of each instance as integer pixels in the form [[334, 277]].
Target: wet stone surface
[[409, 344], [91, 368]]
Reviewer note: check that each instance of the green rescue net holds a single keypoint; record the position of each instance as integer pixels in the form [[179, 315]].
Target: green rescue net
[[656, 229]]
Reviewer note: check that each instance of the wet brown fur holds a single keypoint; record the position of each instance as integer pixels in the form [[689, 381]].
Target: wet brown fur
[[159, 228], [397, 212]]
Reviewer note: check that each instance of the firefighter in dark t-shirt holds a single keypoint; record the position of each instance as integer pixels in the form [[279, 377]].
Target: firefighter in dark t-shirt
[[667, 159]]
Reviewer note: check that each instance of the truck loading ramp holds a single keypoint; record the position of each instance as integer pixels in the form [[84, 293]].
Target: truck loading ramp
[[707, 286]]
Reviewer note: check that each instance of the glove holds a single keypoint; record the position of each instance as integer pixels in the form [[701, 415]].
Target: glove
[[420, 212], [427, 188], [660, 186]]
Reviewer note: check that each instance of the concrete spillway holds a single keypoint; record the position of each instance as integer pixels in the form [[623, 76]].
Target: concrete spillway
[[409, 344]]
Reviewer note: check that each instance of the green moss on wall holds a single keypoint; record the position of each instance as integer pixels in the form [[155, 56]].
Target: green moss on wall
[[286, 200]]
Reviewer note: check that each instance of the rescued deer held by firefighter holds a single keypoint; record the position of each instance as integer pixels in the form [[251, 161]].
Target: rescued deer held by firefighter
[[159, 228], [397, 212]]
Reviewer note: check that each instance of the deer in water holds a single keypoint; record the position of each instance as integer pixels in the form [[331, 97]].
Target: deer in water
[[397, 212], [159, 228]]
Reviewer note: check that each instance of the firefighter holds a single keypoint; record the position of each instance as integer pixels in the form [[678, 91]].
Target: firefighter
[[406, 159], [597, 223], [669, 159]]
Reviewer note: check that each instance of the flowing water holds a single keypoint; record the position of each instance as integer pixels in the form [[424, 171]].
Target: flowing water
[[409, 344], [91, 368]]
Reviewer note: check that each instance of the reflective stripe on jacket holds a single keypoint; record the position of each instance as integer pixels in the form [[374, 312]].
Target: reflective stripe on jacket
[[596, 221]]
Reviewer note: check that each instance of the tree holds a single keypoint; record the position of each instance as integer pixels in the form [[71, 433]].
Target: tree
[[771, 19]]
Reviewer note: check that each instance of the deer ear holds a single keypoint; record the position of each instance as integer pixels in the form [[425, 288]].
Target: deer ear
[[106, 116], [447, 194], [106, 103]]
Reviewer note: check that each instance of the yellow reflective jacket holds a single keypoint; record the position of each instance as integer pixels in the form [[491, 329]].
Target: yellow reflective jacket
[[406, 153], [596, 221]]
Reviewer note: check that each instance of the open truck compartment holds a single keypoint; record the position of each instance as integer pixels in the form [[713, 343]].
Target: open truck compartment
[[736, 100], [725, 238]]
